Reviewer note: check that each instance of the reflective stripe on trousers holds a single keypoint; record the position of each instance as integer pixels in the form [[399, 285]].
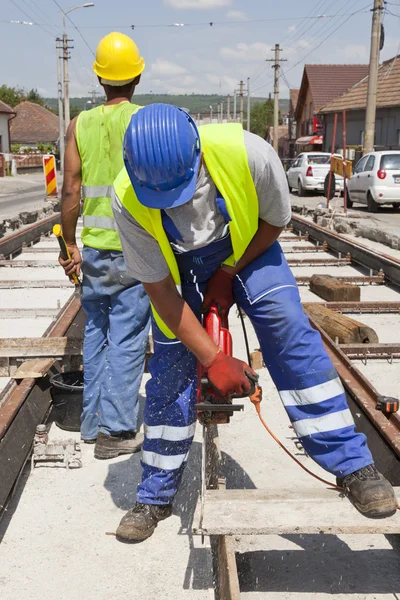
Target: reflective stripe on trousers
[[294, 355]]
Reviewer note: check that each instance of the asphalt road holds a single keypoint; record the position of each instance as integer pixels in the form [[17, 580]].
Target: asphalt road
[[21, 193], [13, 204]]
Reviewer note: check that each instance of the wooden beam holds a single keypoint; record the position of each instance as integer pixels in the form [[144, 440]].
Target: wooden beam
[[36, 368], [333, 290], [225, 569], [340, 327], [40, 347], [288, 511]]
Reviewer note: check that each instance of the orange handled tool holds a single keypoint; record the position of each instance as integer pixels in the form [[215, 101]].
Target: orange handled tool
[[64, 251]]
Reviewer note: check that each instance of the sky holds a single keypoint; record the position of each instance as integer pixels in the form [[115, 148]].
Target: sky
[[183, 52]]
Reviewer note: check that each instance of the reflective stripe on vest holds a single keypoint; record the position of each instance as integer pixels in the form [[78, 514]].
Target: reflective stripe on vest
[[96, 191], [99, 222], [226, 158]]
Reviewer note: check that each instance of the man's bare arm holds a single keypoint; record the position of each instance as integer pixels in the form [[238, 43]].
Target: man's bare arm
[[265, 236], [70, 200], [180, 319]]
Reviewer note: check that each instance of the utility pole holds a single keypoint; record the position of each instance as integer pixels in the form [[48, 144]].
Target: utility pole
[[234, 106], [66, 80], [370, 116], [248, 104], [211, 117], [93, 93], [60, 104], [229, 108], [277, 60], [241, 86]]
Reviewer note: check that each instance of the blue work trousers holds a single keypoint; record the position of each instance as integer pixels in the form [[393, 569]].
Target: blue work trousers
[[308, 384], [117, 327]]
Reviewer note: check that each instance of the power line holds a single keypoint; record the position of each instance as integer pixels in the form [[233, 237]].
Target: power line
[[73, 24], [39, 13], [326, 37], [30, 18]]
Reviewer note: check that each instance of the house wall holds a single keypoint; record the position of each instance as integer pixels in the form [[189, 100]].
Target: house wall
[[387, 129], [305, 122], [5, 142]]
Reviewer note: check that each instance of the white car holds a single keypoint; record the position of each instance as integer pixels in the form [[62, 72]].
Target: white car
[[376, 180], [308, 172]]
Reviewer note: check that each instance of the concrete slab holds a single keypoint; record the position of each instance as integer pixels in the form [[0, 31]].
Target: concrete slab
[[59, 542], [20, 328], [35, 298]]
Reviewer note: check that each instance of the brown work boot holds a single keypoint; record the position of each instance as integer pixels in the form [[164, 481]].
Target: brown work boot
[[370, 492], [111, 446], [140, 522]]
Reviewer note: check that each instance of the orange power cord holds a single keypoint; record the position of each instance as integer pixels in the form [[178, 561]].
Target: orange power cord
[[256, 400]]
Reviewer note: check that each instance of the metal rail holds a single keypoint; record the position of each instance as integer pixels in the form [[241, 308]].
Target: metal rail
[[25, 404], [13, 244], [360, 254]]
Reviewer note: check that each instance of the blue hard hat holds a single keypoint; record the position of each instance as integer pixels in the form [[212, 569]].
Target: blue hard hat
[[162, 155]]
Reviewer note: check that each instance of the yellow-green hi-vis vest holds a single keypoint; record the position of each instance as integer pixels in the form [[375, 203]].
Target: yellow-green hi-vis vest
[[99, 134], [226, 158]]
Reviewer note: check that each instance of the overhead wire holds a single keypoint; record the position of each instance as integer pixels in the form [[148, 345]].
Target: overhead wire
[[40, 14], [326, 35], [73, 24], [30, 18]]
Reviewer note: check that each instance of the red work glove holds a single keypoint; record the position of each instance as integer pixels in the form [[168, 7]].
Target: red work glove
[[219, 289], [228, 375]]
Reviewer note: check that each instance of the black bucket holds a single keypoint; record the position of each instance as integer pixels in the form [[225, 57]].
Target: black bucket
[[67, 394]]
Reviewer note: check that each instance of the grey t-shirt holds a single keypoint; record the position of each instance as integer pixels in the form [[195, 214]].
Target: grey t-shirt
[[199, 221]]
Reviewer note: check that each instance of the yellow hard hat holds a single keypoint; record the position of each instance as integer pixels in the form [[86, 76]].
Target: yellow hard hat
[[118, 58]]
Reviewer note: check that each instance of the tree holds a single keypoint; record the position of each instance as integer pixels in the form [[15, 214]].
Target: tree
[[262, 118], [34, 96], [11, 95]]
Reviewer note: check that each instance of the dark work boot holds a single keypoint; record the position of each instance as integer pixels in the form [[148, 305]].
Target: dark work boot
[[140, 522], [111, 446], [370, 492]]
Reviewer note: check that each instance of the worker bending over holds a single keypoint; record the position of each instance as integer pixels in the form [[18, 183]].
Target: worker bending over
[[199, 213], [116, 305]]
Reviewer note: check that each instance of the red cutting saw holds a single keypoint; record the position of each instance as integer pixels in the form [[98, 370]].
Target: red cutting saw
[[211, 406]]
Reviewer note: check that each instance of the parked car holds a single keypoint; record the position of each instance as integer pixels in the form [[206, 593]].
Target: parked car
[[376, 180], [309, 171]]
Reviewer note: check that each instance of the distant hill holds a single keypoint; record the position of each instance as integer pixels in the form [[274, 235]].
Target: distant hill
[[194, 103]]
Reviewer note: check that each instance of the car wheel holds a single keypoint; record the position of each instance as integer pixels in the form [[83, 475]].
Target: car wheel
[[289, 186], [349, 200], [300, 189], [372, 206], [396, 205]]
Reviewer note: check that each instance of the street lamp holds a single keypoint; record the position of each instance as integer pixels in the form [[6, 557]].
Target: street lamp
[[65, 58]]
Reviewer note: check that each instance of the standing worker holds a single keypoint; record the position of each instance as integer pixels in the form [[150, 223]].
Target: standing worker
[[116, 305], [199, 213]]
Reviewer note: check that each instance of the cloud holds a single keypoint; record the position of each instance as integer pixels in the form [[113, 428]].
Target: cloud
[[356, 51], [225, 83], [292, 28], [165, 69], [246, 52], [197, 4], [236, 15]]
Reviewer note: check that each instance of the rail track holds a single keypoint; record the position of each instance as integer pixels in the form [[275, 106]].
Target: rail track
[[360, 367], [37, 301], [29, 309]]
